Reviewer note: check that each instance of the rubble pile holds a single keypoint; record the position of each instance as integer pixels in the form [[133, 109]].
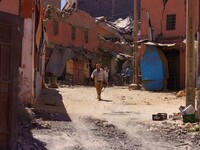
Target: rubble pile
[[109, 130], [25, 139], [182, 134], [31, 119], [61, 14], [112, 134]]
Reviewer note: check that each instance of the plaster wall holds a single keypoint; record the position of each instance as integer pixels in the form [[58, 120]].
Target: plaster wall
[[82, 22], [158, 17], [26, 94]]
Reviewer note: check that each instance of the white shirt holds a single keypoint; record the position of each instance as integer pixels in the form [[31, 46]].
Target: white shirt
[[106, 73], [98, 75]]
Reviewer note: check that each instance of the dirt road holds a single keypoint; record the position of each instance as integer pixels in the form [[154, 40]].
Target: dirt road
[[121, 121]]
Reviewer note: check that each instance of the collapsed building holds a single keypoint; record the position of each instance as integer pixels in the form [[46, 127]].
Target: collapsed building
[[75, 42]]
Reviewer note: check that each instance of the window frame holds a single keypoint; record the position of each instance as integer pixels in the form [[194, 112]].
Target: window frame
[[171, 22]]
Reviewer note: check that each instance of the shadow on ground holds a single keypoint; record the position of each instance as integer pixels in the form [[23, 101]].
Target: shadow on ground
[[25, 139], [105, 100], [49, 106]]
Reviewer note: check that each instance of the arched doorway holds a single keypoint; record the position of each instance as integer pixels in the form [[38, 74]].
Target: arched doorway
[[173, 57]]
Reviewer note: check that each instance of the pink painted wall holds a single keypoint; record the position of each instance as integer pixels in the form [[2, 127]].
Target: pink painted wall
[[82, 21], [155, 8], [26, 90], [10, 6]]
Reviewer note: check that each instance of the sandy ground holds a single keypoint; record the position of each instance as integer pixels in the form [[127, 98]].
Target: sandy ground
[[121, 121]]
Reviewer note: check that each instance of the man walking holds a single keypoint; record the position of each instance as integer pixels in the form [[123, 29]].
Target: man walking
[[98, 76]]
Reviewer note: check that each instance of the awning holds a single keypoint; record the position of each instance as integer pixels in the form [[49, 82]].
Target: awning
[[60, 55], [160, 44], [58, 60]]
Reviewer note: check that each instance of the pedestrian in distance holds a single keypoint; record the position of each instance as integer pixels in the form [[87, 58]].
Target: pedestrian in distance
[[127, 74], [99, 77]]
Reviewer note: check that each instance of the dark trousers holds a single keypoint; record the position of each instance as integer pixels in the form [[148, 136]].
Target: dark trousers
[[127, 80]]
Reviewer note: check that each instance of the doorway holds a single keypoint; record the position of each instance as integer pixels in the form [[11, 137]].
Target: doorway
[[173, 57]]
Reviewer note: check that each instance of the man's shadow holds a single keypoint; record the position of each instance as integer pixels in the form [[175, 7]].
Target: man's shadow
[[105, 100]]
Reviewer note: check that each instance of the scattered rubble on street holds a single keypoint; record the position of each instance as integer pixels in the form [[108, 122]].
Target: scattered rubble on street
[[115, 123]]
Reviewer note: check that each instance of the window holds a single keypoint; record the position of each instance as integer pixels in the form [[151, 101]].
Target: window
[[171, 22], [73, 33], [86, 36]]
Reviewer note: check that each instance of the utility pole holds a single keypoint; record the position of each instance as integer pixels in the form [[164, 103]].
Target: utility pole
[[190, 54], [135, 39]]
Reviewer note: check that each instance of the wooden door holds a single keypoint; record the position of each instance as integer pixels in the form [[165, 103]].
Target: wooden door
[[78, 72], [10, 45]]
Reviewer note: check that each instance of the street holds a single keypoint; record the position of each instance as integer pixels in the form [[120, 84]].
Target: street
[[49, 50], [72, 118]]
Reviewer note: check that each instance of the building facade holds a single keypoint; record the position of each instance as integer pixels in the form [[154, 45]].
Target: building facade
[[167, 25], [76, 31], [32, 56]]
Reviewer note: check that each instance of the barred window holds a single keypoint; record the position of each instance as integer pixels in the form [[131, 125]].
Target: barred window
[[171, 22], [73, 36]]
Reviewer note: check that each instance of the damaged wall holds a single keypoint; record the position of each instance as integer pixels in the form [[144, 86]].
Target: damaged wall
[[158, 17], [115, 46], [32, 60], [78, 29], [27, 66]]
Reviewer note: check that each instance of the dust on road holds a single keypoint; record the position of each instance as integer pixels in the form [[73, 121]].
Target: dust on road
[[121, 121]]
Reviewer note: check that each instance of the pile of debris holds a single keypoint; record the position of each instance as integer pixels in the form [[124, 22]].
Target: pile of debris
[[27, 122], [183, 134], [112, 134], [32, 119], [187, 114], [180, 127]]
